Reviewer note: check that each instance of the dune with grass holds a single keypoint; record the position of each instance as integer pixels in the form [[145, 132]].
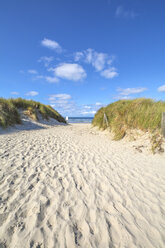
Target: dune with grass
[[137, 116], [12, 111]]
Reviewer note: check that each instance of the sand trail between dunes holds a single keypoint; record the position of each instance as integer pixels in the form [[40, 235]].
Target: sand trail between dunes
[[70, 186]]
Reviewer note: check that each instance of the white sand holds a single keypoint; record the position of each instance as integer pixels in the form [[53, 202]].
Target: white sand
[[71, 186]]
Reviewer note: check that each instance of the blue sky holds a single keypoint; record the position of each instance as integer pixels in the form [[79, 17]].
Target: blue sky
[[79, 55]]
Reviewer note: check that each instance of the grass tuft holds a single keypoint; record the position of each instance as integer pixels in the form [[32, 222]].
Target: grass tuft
[[140, 113], [8, 113]]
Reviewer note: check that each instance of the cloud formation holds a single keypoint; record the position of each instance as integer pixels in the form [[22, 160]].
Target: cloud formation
[[31, 71], [73, 70], [109, 73], [129, 91], [98, 104], [14, 93], [69, 71], [67, 106], [90, 109], [90, 56], [87, 107], [120, 97], [51, 79], [57, 97], [51, 44], [100, 61], [88, 112], [46, 60], [63, 103], [96, 59], [78, 56], [161, 88], [125, 93], [32, 93]]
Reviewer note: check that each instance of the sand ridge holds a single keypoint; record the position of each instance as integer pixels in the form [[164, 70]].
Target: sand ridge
[[71, 186]]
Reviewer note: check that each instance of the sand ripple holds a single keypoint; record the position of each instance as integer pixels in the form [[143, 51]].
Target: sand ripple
[[70, 186]]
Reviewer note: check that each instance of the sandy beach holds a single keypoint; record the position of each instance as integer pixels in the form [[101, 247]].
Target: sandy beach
[[72, 186]]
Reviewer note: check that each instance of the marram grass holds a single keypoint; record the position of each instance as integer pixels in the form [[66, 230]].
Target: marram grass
[[9, 114], [140, 113]]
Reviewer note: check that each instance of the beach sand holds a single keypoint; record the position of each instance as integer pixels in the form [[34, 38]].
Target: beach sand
[[72, 186]]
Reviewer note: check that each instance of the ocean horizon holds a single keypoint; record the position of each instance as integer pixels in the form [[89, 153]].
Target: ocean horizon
[[80, 119]]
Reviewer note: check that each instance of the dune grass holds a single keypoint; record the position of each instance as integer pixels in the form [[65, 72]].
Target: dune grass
[[140, 113], [9, 114]]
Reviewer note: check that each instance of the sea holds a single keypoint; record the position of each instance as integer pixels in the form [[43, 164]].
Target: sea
[[80, 119]]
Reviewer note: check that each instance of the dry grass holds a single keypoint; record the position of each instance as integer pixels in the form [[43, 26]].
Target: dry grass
[[140, 113], [9, 111]]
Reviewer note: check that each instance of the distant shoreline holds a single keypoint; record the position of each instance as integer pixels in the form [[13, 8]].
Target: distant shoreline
[[79, 120]]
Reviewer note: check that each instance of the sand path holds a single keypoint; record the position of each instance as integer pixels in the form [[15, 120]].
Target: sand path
[[70, 186]]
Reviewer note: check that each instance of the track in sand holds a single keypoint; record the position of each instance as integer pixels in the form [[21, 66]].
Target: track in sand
[[70, 186]]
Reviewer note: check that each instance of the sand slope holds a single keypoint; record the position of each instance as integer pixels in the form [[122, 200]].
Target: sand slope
[[70, 186]]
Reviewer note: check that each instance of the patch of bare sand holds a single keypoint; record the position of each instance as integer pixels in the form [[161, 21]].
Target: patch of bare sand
[[71, 186]]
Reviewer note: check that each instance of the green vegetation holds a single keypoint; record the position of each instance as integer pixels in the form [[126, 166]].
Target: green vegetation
[[9, 114], [140, 113]]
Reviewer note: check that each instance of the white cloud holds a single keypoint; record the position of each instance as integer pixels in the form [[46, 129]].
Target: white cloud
[[129, 91], [88, 112], [68, 71], [49, 79], [52, 79], [90, 109], [98, 103], [119, 97], [51, 44], [62, 103], [14, 93], [110, 61], [46, 60], [67, 106], [87, 107], [78, 56], [97, 60], [109, 73], [32, 71], [121, 12], [59, 96], [89, 55], [161, 88], [32, 93]]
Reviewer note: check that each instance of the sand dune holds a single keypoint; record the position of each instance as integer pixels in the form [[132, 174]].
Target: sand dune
[[71, 186]]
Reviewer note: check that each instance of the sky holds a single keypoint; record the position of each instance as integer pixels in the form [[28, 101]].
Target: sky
[[80, 55]]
